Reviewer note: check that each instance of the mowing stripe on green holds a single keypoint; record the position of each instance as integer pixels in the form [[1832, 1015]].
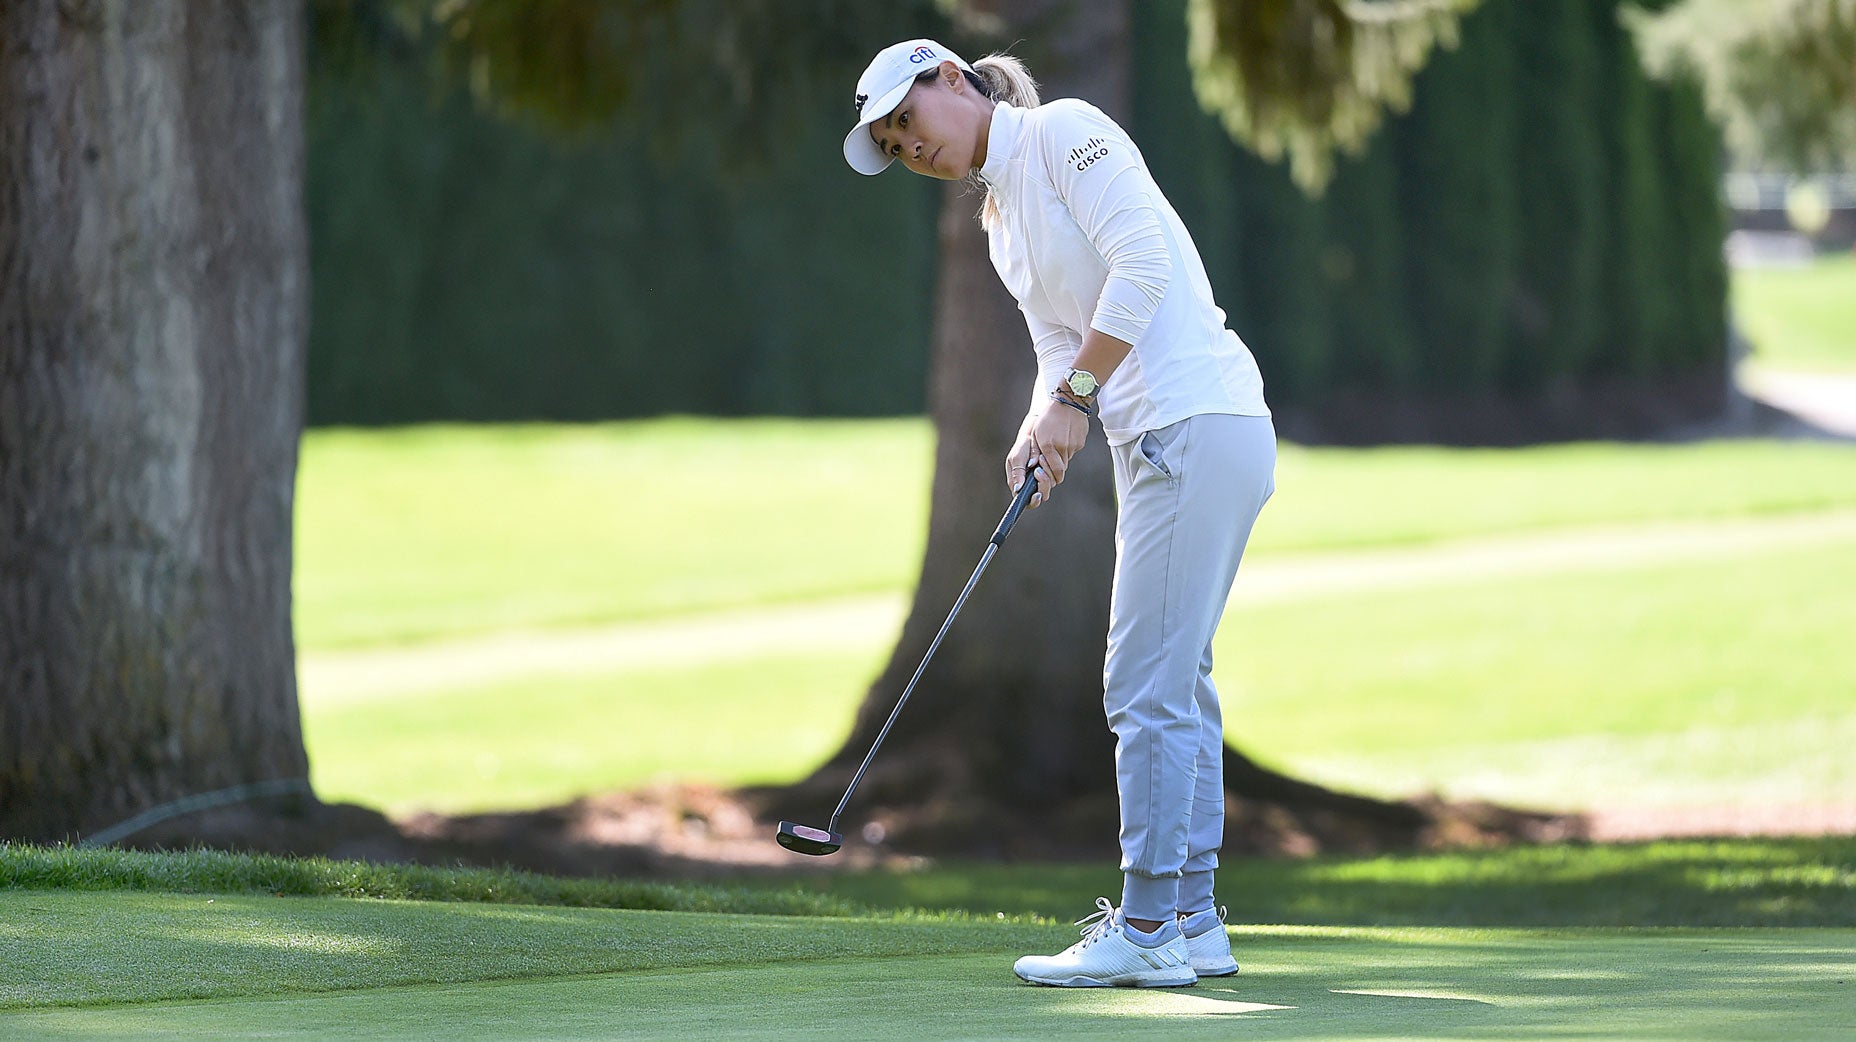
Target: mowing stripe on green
[[65, 948]]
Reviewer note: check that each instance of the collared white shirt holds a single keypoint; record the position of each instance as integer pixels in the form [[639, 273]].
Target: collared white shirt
[[1086, 240]]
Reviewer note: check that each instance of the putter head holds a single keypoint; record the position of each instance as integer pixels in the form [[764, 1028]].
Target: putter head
[[804, 839]]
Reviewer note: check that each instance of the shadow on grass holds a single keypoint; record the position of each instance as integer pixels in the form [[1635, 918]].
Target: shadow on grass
[[1766, 882]]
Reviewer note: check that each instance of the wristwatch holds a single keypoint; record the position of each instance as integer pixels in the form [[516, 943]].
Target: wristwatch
[[1081, 383]]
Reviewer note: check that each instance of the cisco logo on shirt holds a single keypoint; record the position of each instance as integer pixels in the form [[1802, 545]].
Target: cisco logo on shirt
[[1093, 149]]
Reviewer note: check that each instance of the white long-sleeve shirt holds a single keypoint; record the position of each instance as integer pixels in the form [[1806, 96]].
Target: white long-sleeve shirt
[[1085, 239]]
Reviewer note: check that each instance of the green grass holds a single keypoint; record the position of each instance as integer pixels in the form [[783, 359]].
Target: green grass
[[1728, 883], [115, 944], [883, 981], [1800, 318], [28, 867], [437, 531], [1703, 683], [434, 532], [1688, 883], [69, 948], [1335, 499], [1710, 681], [1720, 682], [542, 741]]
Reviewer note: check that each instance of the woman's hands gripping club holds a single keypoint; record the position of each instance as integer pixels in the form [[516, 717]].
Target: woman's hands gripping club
[[1051, 435]]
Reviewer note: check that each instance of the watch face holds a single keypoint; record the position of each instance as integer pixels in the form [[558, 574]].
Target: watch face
[[1082, 382]]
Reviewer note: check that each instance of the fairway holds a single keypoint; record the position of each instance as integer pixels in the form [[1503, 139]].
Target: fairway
[[428, 533], [1297, 983], [1616, 684]]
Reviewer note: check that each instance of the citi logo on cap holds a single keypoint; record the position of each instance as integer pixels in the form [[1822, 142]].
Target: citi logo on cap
[[921, 55]]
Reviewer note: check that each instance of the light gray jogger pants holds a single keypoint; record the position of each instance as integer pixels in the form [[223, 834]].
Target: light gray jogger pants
[[1188, 495]]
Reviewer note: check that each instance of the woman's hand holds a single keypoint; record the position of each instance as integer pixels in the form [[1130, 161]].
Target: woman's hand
[[1055, 435], [1018, 461]]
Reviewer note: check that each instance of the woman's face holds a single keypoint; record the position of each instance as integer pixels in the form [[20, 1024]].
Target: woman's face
[[936, 130]]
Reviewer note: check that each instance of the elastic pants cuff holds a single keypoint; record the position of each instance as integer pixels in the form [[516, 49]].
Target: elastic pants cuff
[[1149, 897]]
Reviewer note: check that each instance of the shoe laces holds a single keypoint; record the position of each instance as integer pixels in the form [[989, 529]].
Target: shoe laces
[[1098, 923]]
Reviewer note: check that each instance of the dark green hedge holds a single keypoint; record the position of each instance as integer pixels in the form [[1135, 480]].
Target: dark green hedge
[[469, 268], [1544, 215]]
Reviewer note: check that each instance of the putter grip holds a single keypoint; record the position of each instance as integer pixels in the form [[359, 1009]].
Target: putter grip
[[1025, 492]]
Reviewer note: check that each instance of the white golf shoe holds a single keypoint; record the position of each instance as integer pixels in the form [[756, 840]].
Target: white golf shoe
[[1208, 944], [1107, 958]]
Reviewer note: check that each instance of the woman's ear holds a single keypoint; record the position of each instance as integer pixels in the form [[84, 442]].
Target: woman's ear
[[950, 75]]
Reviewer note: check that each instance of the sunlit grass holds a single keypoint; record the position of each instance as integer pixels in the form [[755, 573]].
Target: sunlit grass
[[441, 531], [67, 947], [1800, 317], [1705, 682], [1715, 682], [1724, 682], [546, 740], [437, 532]]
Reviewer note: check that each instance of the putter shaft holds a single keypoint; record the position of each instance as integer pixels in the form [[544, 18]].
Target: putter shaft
[[985, 559], [1023, 497]]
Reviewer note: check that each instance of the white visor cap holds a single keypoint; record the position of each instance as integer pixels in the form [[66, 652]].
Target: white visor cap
[[885, 82]]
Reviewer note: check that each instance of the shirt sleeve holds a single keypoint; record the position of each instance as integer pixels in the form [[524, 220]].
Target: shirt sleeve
[[1056, 348], [1108, 190]]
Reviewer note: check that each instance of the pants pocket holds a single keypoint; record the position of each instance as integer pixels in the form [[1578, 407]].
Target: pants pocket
[[1154, 454], [1162, 448]]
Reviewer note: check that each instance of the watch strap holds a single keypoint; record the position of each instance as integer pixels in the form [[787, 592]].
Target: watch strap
[[1068, 384]]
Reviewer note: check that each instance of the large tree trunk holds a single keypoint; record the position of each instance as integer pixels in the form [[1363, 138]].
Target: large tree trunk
[[153, 308], [1004, 747]]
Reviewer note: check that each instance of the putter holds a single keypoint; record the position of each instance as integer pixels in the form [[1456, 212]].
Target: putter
[[804, 839]]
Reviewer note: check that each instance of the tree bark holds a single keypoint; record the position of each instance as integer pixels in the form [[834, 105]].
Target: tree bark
[[1004, 747], [153, 309]]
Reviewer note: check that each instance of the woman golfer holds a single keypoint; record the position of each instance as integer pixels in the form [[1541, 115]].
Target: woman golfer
[[1122, 319]]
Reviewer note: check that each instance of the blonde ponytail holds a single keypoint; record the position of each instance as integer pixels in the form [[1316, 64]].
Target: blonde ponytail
[[1007, 80]]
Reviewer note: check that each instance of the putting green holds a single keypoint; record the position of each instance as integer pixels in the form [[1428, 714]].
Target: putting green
[[1297, 983]]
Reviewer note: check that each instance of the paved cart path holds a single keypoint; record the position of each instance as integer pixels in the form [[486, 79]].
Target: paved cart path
[[1826, 400]]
